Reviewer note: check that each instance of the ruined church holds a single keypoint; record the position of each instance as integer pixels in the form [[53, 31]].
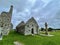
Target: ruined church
[[28, 28], [5, 21]]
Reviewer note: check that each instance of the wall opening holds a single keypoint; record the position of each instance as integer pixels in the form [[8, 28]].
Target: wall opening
[[32, 31]]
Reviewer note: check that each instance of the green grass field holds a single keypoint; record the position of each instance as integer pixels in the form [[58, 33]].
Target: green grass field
[[31, 40]]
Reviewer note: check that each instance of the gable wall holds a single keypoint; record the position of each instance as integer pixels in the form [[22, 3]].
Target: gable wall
[[28, 28]]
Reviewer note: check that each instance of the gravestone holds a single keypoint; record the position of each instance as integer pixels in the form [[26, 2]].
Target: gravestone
[[46, 28]]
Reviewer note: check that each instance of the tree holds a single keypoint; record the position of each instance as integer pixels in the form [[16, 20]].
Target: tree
[[42, 29], [50, 29]]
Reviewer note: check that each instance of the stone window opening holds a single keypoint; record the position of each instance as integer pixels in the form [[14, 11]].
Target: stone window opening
[[29, 30], [32, 25], [5, 25], [7, 19], [27, 25], [1, 25]]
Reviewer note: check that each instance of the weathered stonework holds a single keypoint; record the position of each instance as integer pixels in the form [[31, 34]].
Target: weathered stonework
[[5, 21], [46, 28], [28, 28]]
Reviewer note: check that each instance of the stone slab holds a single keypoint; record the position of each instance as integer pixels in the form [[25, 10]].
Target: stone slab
[[46, 35], [18, 43]]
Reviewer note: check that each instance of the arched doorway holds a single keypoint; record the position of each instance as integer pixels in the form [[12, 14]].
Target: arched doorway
[[32, 31]]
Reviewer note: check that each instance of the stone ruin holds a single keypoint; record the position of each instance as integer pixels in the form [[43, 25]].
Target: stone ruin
[[31, 27], [5, 21]]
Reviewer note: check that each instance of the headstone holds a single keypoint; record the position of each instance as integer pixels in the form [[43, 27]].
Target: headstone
[[46, 28]]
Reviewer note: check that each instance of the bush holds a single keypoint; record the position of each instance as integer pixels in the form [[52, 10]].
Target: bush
[[50, 29], [42, 29]]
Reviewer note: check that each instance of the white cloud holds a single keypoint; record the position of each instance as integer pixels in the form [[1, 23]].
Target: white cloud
[[25, 9], [32, 1]]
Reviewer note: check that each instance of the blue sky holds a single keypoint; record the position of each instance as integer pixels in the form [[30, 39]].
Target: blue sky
[[25, 9], [46, 1]]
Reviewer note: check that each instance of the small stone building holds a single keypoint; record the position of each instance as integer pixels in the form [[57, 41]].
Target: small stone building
[[28, 28], [5, 21]]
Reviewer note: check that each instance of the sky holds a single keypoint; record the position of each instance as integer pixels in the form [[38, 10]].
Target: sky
[[25, 9], [46, 1]]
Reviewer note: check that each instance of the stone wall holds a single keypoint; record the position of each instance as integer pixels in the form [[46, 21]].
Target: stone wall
[[29, 27], [5, 21]]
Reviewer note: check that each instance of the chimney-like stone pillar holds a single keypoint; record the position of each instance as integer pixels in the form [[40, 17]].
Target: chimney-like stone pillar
[[11, 10]]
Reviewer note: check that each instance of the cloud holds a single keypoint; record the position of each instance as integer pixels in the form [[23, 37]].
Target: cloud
[[39, 9]]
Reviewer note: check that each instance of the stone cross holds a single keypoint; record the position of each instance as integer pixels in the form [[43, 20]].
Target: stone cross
[[46, 28]]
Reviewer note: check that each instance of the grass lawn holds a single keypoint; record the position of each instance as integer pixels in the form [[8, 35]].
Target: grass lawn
[[31, 40]]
